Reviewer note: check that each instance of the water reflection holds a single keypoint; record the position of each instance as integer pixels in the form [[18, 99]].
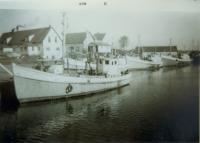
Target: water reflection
[[157, 106]]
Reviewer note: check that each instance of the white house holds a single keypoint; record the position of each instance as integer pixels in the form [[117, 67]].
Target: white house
[[43, 42], [79, 42]]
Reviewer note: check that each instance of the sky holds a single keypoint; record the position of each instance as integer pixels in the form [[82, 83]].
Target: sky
[[154, 21]]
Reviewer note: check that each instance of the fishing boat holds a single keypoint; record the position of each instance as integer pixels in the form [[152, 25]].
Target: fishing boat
[[139, 61], [136, 63], [35, 85], [48, 79], [170, 60]]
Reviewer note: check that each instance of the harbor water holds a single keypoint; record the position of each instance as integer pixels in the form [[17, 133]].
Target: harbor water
[[157, 106]]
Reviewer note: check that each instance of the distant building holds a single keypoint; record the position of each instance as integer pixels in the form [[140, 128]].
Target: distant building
[[103, 49], [43, 42], [161, 50], [79, 42]]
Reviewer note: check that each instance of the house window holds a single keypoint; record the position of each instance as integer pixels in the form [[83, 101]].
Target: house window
[[32, 48], [107, 62], [48, 49], [57, 49], [49, 39], [55, 39]]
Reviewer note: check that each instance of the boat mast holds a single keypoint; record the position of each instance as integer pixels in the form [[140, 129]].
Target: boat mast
[[139, 46], [63, 33], [96, 53], [170, 45], [63, 38]]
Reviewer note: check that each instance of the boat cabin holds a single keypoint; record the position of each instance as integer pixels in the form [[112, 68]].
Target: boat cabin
[[109, 66]]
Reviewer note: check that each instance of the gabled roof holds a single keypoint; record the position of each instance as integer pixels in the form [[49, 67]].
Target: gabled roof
[[21, 37], [75, 38], [99, 36], [158, 48], [99, 43]]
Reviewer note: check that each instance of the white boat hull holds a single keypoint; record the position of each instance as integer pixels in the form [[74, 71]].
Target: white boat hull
[[32, 85], [171, 61], [136, 64]]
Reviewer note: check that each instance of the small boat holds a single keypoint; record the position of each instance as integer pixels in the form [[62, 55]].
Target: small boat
[[36, 85], [169, 60]]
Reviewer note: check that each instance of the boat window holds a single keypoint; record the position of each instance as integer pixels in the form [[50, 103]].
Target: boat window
[[106, 62], [115, 62]]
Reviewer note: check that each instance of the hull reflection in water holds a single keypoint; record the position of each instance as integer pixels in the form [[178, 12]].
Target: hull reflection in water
[[39, 121]]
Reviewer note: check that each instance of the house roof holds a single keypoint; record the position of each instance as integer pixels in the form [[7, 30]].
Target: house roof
[[21, 37], [79, 38], [99, 43], [158, 48], [75, 38], [99, 36]]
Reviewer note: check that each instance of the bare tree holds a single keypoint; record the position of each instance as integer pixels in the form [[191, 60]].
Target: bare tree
[[123, 41]]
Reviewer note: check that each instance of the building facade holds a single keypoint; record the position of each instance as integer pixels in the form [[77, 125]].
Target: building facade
[[159, 50], [42, 42]]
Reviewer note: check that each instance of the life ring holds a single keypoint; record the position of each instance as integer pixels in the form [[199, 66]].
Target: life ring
[[68, 88]]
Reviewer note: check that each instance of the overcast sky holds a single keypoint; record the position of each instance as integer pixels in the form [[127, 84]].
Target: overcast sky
[[156, 21]]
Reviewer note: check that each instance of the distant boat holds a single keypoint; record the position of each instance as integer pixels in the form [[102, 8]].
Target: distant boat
[[134, 63], [35, 85], [170, 60]]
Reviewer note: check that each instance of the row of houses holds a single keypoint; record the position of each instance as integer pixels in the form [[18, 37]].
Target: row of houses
[[47, 43]]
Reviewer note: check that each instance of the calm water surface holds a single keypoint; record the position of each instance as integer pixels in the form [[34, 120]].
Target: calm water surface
[[157, 106]]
